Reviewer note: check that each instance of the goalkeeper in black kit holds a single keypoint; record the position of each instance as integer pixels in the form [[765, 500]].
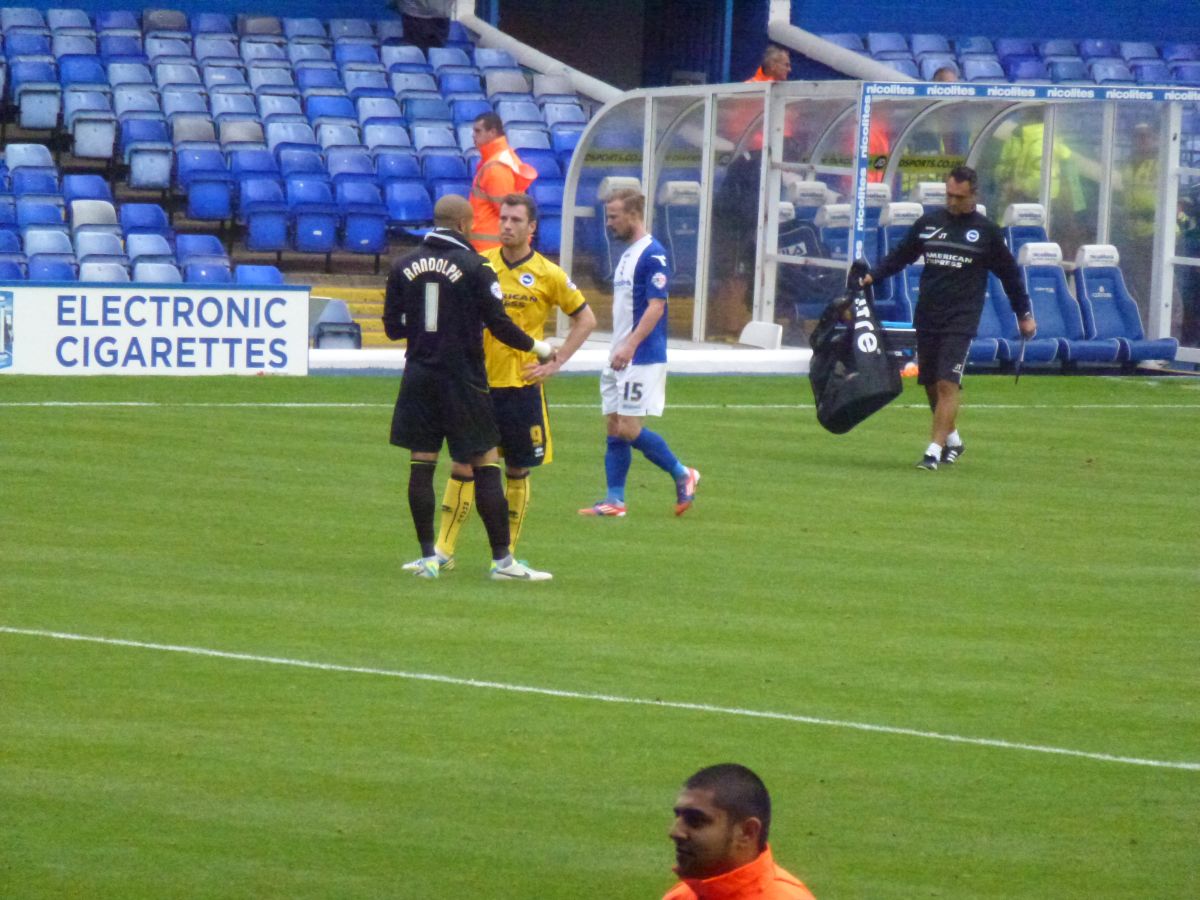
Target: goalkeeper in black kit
[[960, 247], [439, 298]]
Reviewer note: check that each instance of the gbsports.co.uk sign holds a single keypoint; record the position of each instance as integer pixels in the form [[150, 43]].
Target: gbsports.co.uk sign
[[132, 329]]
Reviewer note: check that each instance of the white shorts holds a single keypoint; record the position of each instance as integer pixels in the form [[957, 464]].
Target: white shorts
[[635, 390]]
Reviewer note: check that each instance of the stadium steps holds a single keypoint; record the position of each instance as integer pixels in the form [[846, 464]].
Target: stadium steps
[[366, 306]]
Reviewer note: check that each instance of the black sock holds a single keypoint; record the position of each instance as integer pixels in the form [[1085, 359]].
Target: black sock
[[493, 508], [421, 502]]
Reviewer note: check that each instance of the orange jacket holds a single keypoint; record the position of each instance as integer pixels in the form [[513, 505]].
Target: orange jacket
[[760, 879], [759, 76], [500, 172]]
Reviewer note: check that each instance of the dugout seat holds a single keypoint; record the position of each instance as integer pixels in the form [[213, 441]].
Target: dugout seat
[[1058, 315], [1024, 223], [1108, 309], [1038, 351], [679, 223]]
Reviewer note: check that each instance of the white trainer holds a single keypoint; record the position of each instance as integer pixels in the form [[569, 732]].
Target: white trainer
[[517, 571]]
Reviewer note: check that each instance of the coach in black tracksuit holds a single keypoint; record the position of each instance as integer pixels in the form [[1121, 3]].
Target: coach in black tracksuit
[[440, 297], [960, 248]]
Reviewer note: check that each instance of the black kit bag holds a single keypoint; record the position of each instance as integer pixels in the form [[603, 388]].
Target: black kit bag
[[852, 372]]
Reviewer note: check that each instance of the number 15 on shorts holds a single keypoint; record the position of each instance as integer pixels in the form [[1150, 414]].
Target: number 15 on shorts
[[633, 391]]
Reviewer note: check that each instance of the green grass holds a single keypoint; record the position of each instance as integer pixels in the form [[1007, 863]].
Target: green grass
[[1042, 592]]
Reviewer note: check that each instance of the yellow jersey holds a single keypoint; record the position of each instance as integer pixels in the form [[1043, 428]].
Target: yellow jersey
[[532, 288]]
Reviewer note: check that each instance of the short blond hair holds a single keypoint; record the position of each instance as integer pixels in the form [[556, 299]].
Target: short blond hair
[[632, 201]]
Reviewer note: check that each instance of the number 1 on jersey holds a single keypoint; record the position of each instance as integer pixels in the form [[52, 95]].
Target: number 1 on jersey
[[432, 289]]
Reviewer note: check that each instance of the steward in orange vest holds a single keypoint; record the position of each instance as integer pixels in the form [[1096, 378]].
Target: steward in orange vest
[[500, 172]]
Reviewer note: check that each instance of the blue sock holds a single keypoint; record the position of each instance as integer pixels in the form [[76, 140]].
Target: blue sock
[[656, 450], [617, 459]]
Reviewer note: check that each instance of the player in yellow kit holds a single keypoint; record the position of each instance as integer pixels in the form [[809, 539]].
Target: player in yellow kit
[[533, 288]]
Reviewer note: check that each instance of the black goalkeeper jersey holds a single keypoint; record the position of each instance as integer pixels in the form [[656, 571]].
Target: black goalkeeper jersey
[[959, 252], [440, 297]]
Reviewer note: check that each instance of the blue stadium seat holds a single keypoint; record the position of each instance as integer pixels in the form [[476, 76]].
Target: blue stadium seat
[[85, 187], [166, 23], [378, 111], [406, 55], [365, 219], [1139, 51], [314, 214], [333, 136], [443, 168], [260, 275], [200, 249], [350, 164], [1008, 47], [69, 21], [352, 29], [181, 77], [96, 246], [544, 161], [524, 138], [1069, 71], [1178, 51], [206, 273], [12, 271], [929, 43], [1058, 315], [1109, 312], [176, 103], [1024, 223], [886, 42], [460, 86], [210, 51], [846, 41], [563, 114], [405, 84], [505, 84], [50, 268], [553, 89], [314, 56], [1038, 351], [396, 165], [229, 107], [364, 83], [356, 57], [40, 185], [149, 248], [1187, 73], [263, 209], [225, 80], [203, 176], [156, 273], [982, 69], [1056, 47], [389, 31], [94, 216], [290, 135], [833, 229], [408, 203], [268, 29], [493, 58], [1151, 72], [427, 111], [125, 48], [1111, 72], [48, 243], [32, 214], [1093, 48], [317, 82], [301, 161], [145, 218], [330, 110], [36, 92], [1026, 68], [305, 31], [136, 101], [452, 59], [272, 81], [147, 150], [129, 73], [11, 253]]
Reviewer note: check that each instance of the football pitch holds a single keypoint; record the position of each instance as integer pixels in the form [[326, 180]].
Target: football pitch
[[216, 682]]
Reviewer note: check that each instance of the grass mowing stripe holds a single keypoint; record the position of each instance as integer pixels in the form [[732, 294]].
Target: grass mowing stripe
[[605, 698], [126, 404]]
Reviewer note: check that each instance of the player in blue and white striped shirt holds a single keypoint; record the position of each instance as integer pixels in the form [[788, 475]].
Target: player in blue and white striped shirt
[[634, 383]]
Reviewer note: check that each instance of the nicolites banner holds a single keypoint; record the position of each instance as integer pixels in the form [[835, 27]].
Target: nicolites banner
[[138, 329]]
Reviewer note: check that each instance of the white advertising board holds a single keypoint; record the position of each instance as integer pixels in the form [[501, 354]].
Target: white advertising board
[[159, 329]]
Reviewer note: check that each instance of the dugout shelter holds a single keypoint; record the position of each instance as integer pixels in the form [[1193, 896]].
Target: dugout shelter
[[763, 192]]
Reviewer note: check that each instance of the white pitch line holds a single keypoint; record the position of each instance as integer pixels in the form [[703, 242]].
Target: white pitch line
[[607, 698], [146, 404]]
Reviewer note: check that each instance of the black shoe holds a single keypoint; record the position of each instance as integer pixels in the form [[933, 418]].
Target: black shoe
[[950, 454], [929, 462]]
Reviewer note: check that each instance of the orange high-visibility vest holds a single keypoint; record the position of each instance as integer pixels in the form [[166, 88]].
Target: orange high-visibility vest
[[500, 172]]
